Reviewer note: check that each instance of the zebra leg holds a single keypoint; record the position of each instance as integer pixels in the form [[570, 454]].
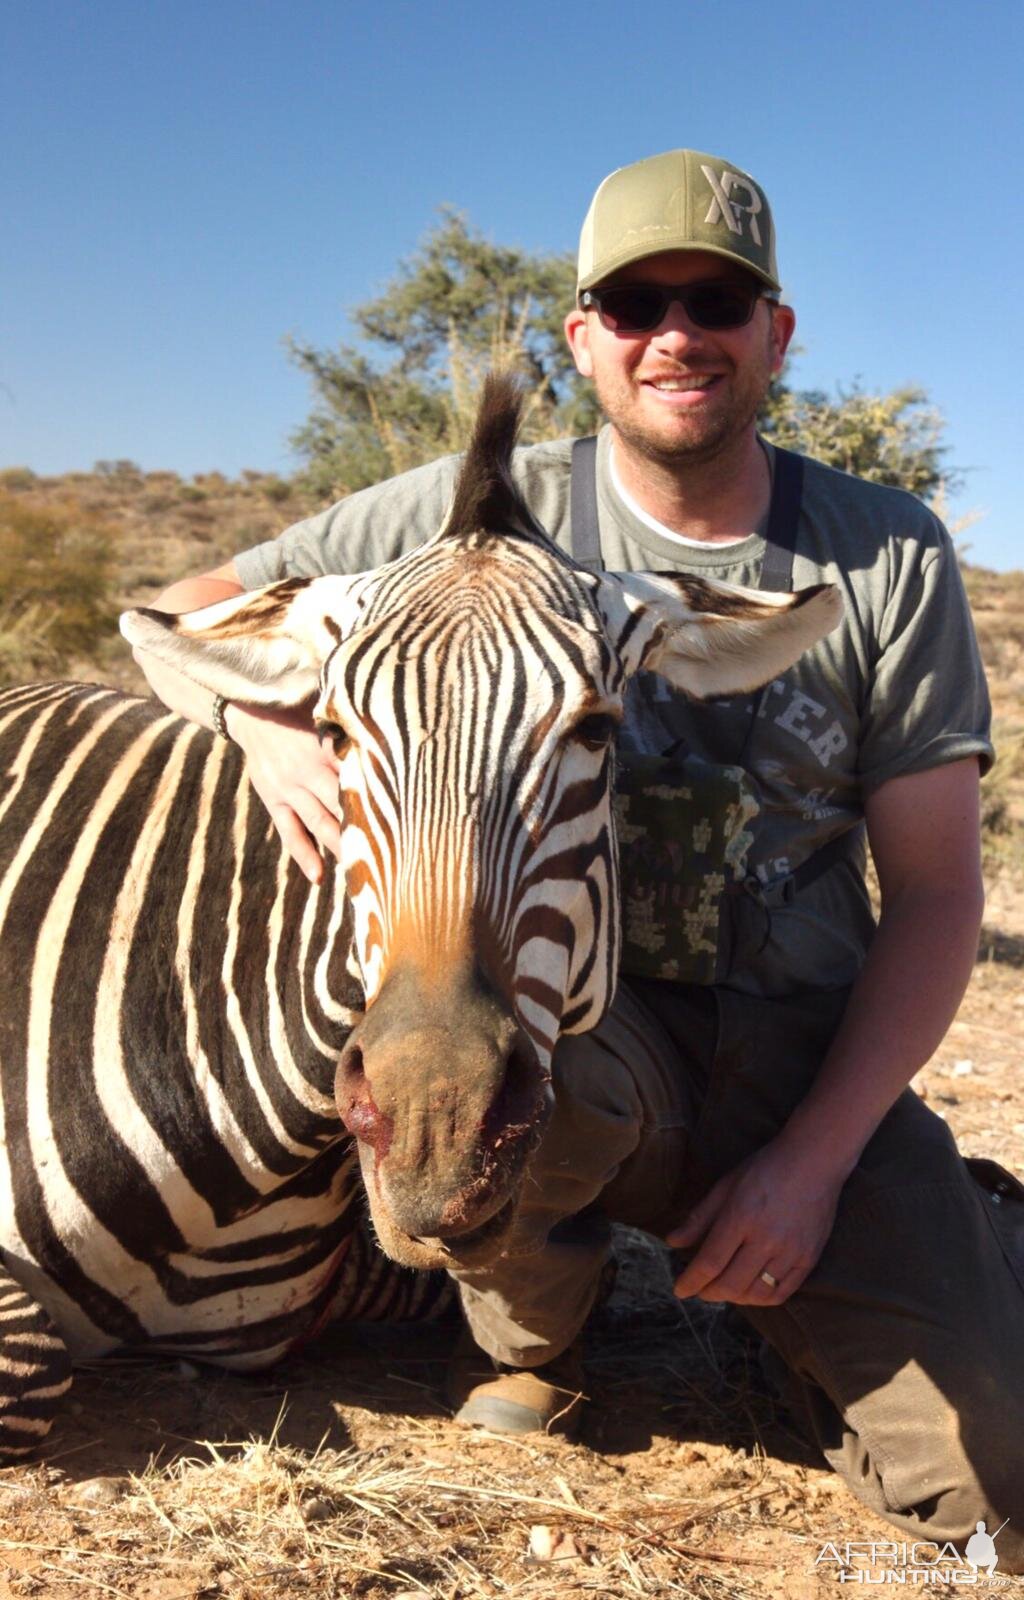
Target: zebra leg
[[35, 1370]]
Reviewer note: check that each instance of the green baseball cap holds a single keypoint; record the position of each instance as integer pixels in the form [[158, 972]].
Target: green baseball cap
[[682, 200]]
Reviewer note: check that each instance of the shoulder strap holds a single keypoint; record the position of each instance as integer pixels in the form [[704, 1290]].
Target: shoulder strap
[[848, 846], [584, 532], [783, 519], [779, 549], [777, 574]]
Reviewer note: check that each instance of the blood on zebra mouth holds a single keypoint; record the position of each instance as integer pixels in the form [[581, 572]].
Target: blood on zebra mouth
[[521, 1106], [459, 1247]]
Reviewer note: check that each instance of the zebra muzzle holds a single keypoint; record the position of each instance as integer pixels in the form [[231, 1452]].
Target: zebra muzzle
[[446, 1106]]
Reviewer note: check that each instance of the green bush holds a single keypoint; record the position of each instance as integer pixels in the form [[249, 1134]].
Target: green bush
[[17, 478], [57, 574]]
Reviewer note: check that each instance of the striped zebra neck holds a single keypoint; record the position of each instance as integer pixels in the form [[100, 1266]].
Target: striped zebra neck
[[171, 933]]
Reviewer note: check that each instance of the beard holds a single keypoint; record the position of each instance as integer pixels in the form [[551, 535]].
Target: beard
[[694, 437]]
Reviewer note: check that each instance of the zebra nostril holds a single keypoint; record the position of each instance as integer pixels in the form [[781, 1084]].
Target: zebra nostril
[[354, 1099], [350, 1076], [516, 1111]]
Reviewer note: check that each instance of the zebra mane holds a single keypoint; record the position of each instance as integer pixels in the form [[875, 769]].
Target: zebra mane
[[486, 499]]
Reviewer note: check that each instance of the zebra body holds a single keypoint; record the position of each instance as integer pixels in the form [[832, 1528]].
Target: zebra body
[[192, 1037], [173, 1171]]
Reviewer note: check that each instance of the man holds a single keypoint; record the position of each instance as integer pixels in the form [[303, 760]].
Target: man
[[763, 1123]]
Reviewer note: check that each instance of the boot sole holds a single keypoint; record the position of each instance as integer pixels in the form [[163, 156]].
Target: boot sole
[[505, 1416]]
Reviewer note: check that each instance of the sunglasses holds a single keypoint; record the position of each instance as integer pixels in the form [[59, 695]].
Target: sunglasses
[[641, 307]]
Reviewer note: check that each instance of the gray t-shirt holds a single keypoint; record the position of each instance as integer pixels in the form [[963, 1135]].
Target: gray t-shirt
[[897, 688]]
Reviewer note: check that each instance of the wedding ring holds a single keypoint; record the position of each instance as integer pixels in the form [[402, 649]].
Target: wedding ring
[[766, 1277]]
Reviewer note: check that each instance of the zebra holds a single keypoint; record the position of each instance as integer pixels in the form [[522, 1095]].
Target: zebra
[[236, 1105]]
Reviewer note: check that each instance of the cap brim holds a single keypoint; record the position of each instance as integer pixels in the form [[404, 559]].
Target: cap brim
[[625, 257]]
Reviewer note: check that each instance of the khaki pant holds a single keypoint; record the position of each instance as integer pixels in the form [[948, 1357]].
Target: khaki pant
[[903, 1351]]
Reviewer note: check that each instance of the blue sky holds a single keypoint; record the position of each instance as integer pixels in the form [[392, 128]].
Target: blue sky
[[185, 183]]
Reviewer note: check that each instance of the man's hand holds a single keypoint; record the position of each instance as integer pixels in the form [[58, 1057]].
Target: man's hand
[[774, 1214], [296, 777]]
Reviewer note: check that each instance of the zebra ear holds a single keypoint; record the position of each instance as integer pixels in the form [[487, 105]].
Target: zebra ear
[[265, 647], [711, 638]]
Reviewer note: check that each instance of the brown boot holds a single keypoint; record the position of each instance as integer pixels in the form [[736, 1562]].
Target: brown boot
[[485, 1393]]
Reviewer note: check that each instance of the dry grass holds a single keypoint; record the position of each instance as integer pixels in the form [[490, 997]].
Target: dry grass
[[159, 525], [264, 1513], [686, 1483], [56, 582], [259, 1519]]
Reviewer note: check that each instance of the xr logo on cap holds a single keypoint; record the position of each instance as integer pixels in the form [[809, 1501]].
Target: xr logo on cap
[[725, 209]]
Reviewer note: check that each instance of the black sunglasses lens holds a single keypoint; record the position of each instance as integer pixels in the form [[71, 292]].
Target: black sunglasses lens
[[639, 307], [634, 308], [720, 305]]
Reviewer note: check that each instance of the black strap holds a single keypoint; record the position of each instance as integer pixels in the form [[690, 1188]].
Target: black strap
[[779, 550], [783, 520], [584, 531], [844, 847], [847, 846]]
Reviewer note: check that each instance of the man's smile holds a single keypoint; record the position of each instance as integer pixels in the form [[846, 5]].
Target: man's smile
[[680, 390]]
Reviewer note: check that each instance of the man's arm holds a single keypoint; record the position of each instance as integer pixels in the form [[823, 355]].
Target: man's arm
[[777, 1211], [293, 774]]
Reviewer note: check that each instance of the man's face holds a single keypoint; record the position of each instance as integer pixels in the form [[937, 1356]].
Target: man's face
[[680, 393]]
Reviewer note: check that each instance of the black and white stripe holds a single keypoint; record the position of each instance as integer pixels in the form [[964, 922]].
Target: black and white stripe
[[173, 1168]]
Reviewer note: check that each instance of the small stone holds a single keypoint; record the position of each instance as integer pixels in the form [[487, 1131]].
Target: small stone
[[551, 1544], [93, 1493], [542, 1542], [188, 1369], [963, 1069], [317, 1510]]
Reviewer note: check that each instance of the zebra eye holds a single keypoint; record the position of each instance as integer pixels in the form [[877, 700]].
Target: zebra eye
[[333, 731], [595, 731]]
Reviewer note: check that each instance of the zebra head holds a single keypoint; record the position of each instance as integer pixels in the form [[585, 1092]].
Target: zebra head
[[472, 689]]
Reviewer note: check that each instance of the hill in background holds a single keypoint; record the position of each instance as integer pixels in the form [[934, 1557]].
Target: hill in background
[[145, 529]]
